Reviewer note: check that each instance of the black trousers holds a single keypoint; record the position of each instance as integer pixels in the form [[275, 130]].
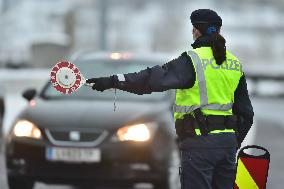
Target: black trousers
[[208, 168]]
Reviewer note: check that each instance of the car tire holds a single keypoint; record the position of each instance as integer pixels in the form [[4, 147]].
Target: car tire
[[172, 180], [19, 183]]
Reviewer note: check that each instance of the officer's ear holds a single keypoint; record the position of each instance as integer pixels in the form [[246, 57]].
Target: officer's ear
[[195, 33], [219, 30]]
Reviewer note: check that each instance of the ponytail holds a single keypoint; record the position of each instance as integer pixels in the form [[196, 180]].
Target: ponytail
[[217, 43]]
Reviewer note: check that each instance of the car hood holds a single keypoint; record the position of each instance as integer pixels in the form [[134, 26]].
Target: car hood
[[62, 114]]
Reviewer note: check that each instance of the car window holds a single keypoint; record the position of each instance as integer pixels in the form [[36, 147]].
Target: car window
[[101, 68]]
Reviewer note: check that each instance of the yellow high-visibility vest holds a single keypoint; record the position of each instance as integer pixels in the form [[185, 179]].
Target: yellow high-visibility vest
[[214, 87]]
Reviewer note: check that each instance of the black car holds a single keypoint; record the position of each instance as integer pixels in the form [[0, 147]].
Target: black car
[[79, 138]]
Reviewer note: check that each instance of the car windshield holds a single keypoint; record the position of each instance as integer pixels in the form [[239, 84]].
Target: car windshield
[[102, 68]]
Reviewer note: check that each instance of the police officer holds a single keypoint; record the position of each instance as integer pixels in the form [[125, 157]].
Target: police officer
[[212, 111]]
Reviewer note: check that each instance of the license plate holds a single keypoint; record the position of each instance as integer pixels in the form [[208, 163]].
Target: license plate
[[73, 154]]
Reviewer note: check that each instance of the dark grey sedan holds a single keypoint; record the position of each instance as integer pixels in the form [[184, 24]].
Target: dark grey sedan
[[79, 139]]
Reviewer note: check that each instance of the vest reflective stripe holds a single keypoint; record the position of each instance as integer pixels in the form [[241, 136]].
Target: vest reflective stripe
[[188, 109], [200, 77]]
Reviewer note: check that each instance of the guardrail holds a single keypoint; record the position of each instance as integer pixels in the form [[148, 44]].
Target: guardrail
[[17, 80], [266, 85]]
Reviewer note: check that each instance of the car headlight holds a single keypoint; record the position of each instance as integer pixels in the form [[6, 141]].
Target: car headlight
[[25, 128], [138, 133]]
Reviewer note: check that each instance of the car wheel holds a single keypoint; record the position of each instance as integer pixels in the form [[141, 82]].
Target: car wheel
[[19, 183], [172, 180]]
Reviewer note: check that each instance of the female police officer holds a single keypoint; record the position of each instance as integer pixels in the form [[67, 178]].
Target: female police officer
[[212, 104]]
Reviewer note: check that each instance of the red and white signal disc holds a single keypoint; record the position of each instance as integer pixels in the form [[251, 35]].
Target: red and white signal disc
[[66, 77]]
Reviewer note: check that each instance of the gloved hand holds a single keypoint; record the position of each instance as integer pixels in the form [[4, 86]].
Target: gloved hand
[[102, 83]]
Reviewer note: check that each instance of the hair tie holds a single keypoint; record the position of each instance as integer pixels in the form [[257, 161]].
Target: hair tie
[[211, 30]]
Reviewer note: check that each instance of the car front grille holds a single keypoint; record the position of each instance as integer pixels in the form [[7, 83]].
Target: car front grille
[[76, 138]]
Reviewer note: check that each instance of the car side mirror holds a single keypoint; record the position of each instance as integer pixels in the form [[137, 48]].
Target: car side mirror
[[29, 94]]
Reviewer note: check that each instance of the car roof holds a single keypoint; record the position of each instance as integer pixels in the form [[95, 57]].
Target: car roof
[[111, 56]]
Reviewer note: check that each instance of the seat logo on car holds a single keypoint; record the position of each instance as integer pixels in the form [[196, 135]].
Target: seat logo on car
[[74, 136]]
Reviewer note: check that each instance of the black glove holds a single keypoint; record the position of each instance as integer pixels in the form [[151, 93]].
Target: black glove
[[102, 83]]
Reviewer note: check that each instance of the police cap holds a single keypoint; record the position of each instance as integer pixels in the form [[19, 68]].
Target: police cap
[[205, 16]]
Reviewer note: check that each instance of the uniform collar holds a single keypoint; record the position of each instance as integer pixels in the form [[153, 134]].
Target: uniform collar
[[202, 41]]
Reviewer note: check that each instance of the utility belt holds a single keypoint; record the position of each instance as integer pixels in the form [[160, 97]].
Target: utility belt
[[199, 124]]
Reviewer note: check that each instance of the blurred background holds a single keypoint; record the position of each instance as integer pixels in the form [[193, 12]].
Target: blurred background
[[35, 34]]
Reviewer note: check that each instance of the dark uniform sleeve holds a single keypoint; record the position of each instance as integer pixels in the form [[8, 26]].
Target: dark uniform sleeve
[[243, 109], [176, 74]]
